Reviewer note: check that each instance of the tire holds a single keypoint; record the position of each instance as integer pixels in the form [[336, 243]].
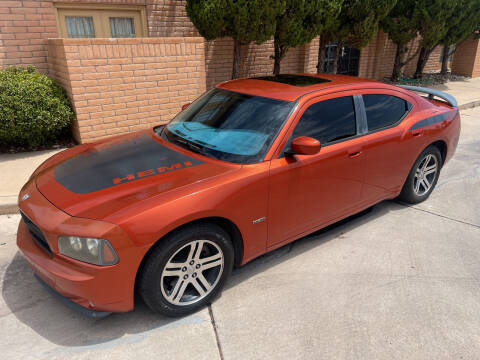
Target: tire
[[177, 279], [416, 189]]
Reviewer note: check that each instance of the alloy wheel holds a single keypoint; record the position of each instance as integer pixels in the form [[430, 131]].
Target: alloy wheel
[[192, 272], [425, 175]]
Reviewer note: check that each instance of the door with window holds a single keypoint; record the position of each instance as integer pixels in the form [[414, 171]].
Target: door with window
[[307, 191], [78, 21], [385, 160], [348, 59]]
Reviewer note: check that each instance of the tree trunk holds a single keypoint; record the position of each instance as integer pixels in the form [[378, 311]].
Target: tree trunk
[[278, 56], [276, 64], [399, 62], [237, 58], [422, 61], [445, 56], [335, 57], [321, 54]]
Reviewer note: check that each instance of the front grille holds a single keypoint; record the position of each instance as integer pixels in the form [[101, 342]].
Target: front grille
[[36, 233]]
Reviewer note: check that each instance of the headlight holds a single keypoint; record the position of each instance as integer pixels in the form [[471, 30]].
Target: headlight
[[89, 250]]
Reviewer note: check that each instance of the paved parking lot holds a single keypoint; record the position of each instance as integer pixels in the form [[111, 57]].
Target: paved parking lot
[[398, 282]]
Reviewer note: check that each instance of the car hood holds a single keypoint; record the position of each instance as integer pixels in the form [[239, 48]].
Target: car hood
[[96, 180]]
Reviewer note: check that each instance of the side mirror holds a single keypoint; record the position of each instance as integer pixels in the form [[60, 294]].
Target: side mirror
[[184, 106], [304, 145]]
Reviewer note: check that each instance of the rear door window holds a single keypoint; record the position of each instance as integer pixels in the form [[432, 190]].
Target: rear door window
[[383, 110], [328, 121]]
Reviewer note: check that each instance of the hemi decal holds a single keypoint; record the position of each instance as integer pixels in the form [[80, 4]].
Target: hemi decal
[[119, 162], [434, 119], [150, 172]]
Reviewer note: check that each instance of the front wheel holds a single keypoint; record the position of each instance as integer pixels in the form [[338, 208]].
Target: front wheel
[[422, 177], [187, 270]]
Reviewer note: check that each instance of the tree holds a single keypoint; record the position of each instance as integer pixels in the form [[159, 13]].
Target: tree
[[356, 24], [245, 21], [461, 25], [433, 17], [299, 23], [476, 32], [325, 38], [401, 25]]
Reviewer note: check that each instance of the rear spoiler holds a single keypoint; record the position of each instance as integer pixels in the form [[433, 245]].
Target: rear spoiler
[[432, 93]]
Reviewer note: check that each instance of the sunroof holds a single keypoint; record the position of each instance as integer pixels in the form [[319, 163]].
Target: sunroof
[[295, 80]]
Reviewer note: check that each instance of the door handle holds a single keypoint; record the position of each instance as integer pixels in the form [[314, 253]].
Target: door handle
[[355, 151], [354, 154], [417, 132]]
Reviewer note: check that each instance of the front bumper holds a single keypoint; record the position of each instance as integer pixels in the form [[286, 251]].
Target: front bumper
[[94, 288], [73, 305]]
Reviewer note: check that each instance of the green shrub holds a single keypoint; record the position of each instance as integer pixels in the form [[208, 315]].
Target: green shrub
[[34, 109]]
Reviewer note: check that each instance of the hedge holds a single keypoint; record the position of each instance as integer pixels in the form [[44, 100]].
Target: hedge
[[34, 110]]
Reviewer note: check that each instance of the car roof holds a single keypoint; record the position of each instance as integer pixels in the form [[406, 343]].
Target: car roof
[[290, 87]]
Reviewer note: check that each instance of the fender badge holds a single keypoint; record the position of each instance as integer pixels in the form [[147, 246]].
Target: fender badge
[[259, 220], [25, 197]]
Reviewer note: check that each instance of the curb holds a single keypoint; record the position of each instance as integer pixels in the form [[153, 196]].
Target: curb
[[469, 105], [11, 207], [7, 208]]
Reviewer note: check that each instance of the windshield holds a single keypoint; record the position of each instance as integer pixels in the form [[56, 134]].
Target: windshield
[[229, 126]]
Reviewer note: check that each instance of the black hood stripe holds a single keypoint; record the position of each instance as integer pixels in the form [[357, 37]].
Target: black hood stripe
[[117, 162]]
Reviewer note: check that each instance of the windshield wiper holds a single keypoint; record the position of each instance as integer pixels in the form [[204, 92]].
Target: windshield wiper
[[192, 146]]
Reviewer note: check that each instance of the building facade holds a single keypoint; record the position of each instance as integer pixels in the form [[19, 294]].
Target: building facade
[[128, 64]]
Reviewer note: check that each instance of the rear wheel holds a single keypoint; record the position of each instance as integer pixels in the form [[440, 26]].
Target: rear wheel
[[187, 270], [423, 176]]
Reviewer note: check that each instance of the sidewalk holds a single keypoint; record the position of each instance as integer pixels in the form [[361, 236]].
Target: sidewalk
[[466, 92], [16, 168]]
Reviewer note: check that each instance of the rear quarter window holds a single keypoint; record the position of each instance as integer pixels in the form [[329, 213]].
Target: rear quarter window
[[384, 110]]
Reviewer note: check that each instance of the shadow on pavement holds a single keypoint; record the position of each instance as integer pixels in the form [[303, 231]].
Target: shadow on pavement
[[337, 230], [36, 308]]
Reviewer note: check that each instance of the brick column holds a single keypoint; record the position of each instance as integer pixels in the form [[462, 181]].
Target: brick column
[[310, 56], [466, 60]]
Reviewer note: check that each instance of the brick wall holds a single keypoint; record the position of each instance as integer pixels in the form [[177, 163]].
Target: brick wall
[[168, 18], [466, 60], [256, 60], [310, 56], [434, 63], [26, 25], [123, 85], [24, 29], [377, 58]]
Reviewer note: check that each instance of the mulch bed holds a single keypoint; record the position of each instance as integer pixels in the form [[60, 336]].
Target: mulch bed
[[428, 80], [66, 143]]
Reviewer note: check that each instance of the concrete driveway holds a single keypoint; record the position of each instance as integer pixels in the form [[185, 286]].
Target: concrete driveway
[[398, 282]]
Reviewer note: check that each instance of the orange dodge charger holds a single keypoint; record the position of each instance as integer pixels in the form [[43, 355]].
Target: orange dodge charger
[[251, 165]]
